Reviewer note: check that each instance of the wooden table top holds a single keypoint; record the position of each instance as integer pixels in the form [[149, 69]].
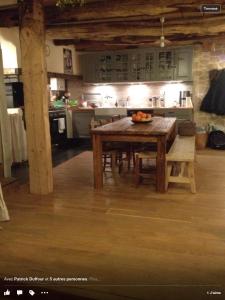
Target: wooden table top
[[158, 126]]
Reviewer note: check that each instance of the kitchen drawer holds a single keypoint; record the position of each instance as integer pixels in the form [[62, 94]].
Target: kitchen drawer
[[101, 111], [180, 114]]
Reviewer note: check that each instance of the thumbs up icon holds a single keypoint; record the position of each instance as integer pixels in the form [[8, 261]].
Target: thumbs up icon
[[7, 293]]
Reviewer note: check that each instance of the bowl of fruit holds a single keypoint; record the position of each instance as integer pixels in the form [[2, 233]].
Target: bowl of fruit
[[141, 117]]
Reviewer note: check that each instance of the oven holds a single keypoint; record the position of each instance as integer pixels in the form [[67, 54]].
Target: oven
[[57, 122]]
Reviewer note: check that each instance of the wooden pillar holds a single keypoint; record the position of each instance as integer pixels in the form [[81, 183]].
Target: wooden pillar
[[32, 39]]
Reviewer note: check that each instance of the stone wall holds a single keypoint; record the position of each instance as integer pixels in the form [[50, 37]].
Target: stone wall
[[205, 58]]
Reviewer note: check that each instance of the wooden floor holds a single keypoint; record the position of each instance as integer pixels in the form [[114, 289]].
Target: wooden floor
[[130, 243]]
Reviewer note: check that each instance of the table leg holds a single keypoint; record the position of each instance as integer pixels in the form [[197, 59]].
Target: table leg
[[161, 165], [97, 161], [172, 136]]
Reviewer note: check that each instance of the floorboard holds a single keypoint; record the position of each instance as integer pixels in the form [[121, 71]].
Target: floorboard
[[130, 243]]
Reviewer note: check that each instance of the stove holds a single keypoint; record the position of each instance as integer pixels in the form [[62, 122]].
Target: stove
[[57, 122]]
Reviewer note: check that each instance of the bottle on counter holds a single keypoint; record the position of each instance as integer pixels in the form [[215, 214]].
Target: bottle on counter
[[150, 102], [188, 98], [157, 102], [184, 102], [180, 99], [154, 101], [162, 102]]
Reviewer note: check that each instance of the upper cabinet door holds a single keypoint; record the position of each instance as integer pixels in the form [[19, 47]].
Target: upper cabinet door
[[136, 66], [183, 59], [88, 67], [149, 67], [103, 67], [121, 67], [165, 65]]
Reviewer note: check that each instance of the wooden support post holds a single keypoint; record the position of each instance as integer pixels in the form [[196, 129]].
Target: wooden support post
[[32, 38]]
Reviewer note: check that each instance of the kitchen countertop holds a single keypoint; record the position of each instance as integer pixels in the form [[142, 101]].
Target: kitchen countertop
[[87, 109], [162, 108], [81, 109]]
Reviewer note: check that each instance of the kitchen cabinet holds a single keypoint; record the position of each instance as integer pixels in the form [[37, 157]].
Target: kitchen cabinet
[[151, 64], [149, 67], [180, 114], [165, 65], [81, 123], [88, 65], [57, 84], [106, 113], [136, 66], [120, 67], [183, 63], [103, 68]]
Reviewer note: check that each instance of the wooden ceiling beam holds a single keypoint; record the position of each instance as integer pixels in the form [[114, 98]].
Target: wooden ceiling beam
[[134, 42], [108, 31], [124, 8], [9, 17]]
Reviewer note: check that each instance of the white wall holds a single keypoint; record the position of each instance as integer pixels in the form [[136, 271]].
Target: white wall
[[10, 44], [11, 51], [55, 58]]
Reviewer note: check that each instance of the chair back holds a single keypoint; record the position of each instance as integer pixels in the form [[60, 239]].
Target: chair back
[[116, 118]]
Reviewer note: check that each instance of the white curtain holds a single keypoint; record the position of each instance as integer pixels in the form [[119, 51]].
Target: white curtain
[[18, 135], [5, 140]]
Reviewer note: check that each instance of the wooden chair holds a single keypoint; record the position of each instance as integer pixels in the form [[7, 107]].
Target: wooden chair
[[116, 118], [109, 154], [105, 121], [123, 148], [140, 171], [180, 162]]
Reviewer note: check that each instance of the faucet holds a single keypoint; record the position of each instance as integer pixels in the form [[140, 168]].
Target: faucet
[[128, 99]]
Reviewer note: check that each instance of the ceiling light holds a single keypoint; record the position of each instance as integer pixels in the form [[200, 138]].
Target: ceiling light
[[162, 38]]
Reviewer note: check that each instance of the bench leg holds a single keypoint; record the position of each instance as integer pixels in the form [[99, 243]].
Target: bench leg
[[168, 173], [182, 169], [191, 175]]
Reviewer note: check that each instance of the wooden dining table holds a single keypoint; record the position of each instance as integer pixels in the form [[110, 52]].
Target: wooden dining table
[[161, 131]]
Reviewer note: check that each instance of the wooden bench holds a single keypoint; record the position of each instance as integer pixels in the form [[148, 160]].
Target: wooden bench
[[180, 161]]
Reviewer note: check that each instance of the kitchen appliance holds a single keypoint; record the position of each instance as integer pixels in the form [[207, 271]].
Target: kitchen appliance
[[184, 97], [14, 94], [57, 122]]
